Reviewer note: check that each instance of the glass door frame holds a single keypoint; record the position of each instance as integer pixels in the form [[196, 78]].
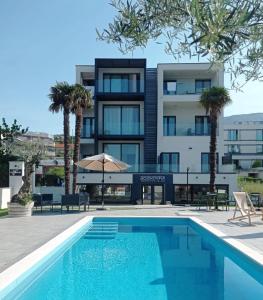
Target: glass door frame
[[152, 192]]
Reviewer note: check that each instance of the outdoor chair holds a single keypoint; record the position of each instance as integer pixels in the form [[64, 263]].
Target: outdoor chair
[[245, 206], [205, 200], [74, 200], [41, 200], [222, 200]]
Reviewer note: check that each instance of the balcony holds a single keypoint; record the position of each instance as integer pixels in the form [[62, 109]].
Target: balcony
[[142, 168], [120, 87], [187, 129], [134, 131], [184, 90]]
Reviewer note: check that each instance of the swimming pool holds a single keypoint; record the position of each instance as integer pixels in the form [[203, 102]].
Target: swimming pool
[[142, 258]]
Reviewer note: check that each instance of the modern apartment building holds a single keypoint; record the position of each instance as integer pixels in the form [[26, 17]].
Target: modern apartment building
[[244, 143], [151, 118]]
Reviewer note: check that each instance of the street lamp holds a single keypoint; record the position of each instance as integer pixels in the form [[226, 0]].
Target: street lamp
[[187, 185]]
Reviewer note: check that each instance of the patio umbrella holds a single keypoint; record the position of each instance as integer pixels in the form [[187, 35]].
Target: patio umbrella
[[103, 163]]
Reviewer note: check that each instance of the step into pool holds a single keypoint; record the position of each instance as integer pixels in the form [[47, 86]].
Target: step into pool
[[143, 258]]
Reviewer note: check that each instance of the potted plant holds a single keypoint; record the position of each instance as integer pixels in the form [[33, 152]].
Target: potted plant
[[22, 207], [21, 204]]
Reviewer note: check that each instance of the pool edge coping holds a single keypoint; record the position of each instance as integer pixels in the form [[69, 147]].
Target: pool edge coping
[[14, 272]]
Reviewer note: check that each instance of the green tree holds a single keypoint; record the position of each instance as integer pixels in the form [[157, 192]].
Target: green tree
[[214, 100], [30, 153], [227, 32], [81, 100], [61, 98]]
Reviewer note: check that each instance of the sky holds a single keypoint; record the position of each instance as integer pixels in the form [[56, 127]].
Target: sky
[[42, 41]]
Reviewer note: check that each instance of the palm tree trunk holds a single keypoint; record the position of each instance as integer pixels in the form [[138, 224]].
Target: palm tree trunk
[[213, 120], [66, 150], [76, 148]]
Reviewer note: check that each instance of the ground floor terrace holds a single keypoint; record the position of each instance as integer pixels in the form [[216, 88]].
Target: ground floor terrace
[[155, 188], [20, 236]]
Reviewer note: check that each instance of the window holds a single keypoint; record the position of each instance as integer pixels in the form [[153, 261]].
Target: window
[[169, 126], [201, 85], [232, 135], [88, 127], [259, 135], [121, 119], [205, 162], [88, 82], [259, 148], [169, 87], [202, 125], [129, 153], [170, 162], [121, 83], [233, 148]]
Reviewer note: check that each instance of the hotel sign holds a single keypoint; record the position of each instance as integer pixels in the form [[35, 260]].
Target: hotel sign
[[15, 172], [152, 179]]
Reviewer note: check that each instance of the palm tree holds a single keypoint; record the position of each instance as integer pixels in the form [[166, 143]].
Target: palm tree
[[81, 99], [214, 100], [61, 97]]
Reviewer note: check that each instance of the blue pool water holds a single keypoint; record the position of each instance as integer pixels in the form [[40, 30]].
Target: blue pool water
[[124, 258]]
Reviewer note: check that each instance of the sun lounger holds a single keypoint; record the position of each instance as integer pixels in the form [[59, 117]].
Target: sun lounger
[[245, 206]]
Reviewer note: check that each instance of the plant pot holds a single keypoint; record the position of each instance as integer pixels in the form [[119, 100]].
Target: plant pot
[[18, 210]]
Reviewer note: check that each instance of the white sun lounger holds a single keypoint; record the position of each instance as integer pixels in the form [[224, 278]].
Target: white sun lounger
[[245, 206]]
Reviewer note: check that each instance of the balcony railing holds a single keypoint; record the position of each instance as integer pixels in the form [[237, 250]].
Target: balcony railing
[[183, 89], [127, 129], [188, 129], [144, 168]]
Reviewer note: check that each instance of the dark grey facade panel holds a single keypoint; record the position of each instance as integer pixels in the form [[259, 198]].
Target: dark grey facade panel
[[150, 117]]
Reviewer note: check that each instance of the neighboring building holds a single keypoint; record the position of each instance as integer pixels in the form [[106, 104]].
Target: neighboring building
[[45, 139], [151, 118], [59, 149], [59, 145], [244, 141]]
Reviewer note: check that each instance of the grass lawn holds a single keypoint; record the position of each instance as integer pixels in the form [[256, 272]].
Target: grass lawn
[[3, 212]]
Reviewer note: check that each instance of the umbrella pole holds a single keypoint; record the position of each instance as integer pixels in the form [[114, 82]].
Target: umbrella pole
[[102, 186]]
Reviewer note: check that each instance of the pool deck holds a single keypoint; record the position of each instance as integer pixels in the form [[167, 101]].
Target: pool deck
[[20, 236]]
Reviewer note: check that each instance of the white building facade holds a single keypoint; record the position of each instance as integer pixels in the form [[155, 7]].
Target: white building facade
[[151, 118], [243, 142]]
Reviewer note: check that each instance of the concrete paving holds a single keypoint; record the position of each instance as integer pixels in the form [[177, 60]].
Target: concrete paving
[[20, 236]]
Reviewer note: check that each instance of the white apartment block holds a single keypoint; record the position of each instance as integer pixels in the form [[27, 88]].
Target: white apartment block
[[243, 142], [151, 118]]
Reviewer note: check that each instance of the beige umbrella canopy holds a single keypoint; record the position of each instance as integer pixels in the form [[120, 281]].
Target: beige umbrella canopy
[[104, 163]]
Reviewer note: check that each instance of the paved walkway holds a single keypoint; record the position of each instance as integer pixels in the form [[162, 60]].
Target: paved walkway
[[20, 236]]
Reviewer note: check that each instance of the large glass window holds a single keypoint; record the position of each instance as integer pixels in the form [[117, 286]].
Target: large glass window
[[121, 83], [170, 162], [202, 125], [259, 135], [233, 149], [169, 87], [205, 162], [232, 135], [169, 126], [129, 153], [201, 85], [88, 127], [259, 148], [121, 120]]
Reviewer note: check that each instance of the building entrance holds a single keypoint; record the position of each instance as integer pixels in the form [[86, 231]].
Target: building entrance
[[152, 194]]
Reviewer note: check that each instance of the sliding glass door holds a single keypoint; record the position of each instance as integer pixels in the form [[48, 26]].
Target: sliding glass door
[[129, 153], [121, 119]]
